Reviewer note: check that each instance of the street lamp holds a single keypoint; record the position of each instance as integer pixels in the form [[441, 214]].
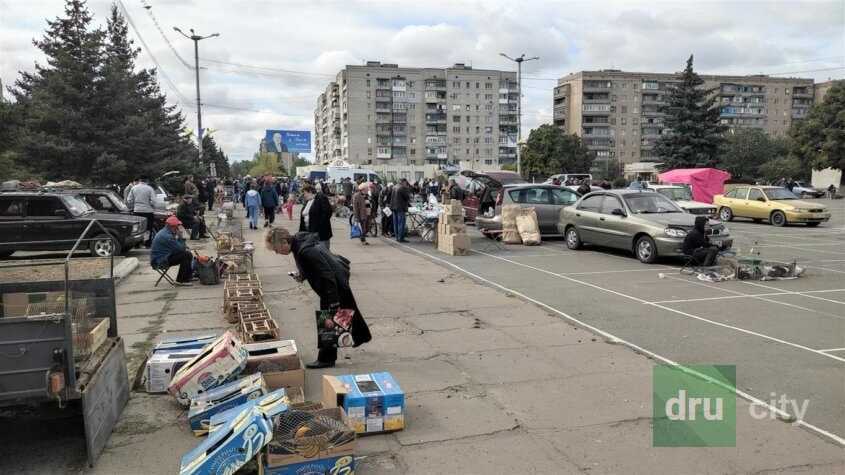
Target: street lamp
[[519, 60], [196, 39]]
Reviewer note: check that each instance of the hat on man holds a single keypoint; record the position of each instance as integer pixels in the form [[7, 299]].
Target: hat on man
[[173, 221]]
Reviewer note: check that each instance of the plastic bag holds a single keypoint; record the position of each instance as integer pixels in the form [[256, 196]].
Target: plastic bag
[[355, 231]]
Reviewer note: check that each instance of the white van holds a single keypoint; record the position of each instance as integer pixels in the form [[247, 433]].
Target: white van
[[338, 173]]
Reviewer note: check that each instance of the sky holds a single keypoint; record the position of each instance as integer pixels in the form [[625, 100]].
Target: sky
[[273, 58]]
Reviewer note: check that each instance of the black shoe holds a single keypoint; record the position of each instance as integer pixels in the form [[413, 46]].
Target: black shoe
[[320, 364], [402, 240]]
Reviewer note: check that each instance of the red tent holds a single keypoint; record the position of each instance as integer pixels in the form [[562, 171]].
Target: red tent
[[705, 182]]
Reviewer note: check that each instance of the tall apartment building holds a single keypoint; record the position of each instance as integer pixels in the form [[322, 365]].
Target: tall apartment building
[[822, 88], [616, 112], [381, 113]]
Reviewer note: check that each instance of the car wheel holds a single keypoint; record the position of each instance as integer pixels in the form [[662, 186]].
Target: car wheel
[[573, 239], [725, 214], [104, 245], [6, 253], [813, 225], [778, 219], [646, 250]]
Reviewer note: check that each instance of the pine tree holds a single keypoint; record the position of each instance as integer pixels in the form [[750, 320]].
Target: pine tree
[[61, 133], [692, 117]]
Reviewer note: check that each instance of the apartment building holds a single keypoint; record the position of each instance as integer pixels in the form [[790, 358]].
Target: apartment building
[[821, 90], [617, 112], [383, 114]]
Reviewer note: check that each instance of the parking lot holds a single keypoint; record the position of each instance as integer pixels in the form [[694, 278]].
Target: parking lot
[[786, 338]]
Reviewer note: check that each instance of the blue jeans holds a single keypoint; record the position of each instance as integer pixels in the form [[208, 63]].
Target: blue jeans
[[399, 225], [252, 212]]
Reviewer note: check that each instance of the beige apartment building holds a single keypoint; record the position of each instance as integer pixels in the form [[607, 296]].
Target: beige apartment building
[[616, 112], [383, 114], [822, 88]]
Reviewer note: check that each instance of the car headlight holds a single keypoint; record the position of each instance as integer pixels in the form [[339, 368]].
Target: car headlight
[[136, 227], [800, 210], [675, 232]]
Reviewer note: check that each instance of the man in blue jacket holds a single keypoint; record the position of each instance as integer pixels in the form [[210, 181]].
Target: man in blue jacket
[[169, 249]]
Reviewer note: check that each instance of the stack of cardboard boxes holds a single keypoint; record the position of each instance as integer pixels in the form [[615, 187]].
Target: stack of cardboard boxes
[[452, 237]]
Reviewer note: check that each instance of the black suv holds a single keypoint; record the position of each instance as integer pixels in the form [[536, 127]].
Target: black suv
[[53, 221], [107, 201]]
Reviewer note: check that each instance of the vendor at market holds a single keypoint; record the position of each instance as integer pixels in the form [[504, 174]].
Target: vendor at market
[[697, 245], [169, 249]]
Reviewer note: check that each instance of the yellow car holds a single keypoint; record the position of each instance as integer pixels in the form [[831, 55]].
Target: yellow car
[[774, 204]]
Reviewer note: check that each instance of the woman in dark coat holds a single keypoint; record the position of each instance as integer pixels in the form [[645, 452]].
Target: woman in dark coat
[[328, 276], [316, 215]]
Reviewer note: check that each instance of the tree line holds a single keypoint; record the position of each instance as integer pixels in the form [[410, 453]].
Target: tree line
[[694, 137], [89, 114]]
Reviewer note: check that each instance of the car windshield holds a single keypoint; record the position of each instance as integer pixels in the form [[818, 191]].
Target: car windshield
[[76, 206], [779, 194], [649, 203], [676, 194], [118, 202]]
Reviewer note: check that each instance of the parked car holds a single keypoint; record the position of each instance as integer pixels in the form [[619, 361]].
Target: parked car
[[774, 204], [644, 222], [546, 199], [52, 221], [804, 190], [107, 201], [481, 189], [682, 196]]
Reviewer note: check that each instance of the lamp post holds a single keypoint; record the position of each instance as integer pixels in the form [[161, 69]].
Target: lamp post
[[196, 39], [519, 60]]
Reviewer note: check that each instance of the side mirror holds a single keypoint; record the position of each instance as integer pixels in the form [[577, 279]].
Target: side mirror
[[761, 199], [60, 213], [618, 212]]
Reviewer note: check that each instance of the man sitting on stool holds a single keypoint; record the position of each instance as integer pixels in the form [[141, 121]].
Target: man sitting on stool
[[187, 213], [169, 249], [697, 244]]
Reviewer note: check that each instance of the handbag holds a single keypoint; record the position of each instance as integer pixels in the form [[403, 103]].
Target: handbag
[[387, 212], [333, 331], [355, 231]]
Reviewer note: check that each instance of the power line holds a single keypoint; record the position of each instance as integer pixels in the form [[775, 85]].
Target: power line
[[180, 97], [807, 71], [149, 9], [277, 70]]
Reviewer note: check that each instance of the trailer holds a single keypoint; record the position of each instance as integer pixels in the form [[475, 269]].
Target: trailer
[[59, 342]]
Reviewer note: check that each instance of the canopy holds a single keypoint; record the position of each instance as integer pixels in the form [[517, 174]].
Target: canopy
[[705, 182]]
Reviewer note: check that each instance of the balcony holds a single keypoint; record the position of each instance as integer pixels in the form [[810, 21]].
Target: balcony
[[380, 107], [435, 96], [802, 92], [435, 85], [383, 155], [384, 98], [651, 132], [507, 119], [434, 140], [599, 86], [384, 118], [652, 99], [596, 99], [509, 142], [560, 113], [435, 118]]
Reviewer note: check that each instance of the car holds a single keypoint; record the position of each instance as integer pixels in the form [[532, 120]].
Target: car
[[53, 221], [107, 201], [481, 189], [804, 190], [773, 204], [546, 199], [682, 196], [643, 222]]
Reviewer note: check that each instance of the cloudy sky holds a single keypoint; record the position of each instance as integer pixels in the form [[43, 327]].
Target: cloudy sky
[[275, 56]]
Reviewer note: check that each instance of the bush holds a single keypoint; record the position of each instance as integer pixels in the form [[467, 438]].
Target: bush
[[620, 183]]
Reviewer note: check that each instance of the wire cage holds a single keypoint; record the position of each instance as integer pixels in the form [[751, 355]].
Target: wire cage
[[309, 433]]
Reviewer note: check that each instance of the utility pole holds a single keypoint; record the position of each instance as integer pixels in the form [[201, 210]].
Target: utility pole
[[196, 39], [519, 60]]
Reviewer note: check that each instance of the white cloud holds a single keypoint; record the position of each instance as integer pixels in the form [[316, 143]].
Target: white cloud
[[318, 37]]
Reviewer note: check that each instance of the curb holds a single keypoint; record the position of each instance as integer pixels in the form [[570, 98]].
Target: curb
[[124, 269]]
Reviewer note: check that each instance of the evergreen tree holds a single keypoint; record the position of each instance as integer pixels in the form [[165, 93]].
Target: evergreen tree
[[62, 130], [211, 153], [819, 139], [692, 117], [549, 151]]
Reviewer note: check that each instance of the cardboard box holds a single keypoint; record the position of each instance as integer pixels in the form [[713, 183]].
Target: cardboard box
[[278, 355], [231, 446], [172, 344], [297, 454], [291, 380], [161, 367], [372, 402], [219, 362], [454, 244], [222, 398], [271, 404]]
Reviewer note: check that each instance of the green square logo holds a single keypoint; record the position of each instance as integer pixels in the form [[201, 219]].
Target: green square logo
[[694, 406]]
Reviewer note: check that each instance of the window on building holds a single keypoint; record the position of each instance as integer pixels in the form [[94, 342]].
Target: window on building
[[622, 121], [488, 107], [467, 107], [467, 129], [456, 130], [613, 98], [456, 118], [478, 85], [488, 97], [488, 85], [413, 151], [369, 150], [368, 83], [456, 84], [468, 119], [488, 139], [468, 84], [624, 109], [488, 130]]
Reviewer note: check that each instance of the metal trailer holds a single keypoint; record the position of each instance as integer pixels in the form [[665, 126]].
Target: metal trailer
[[35, 348]]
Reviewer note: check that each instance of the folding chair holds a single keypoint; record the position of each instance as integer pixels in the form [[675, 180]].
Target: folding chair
[[691, 265], [162, 274]]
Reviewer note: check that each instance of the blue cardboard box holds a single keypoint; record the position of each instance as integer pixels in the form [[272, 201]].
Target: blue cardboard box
[[222, 398], [292, 453], [174, 344], [373, 402], [271, 405]]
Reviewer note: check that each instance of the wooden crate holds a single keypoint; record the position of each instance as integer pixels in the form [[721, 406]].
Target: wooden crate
[[243, 278], [86, 342], [254, 331], [250, 315], [231, 310]]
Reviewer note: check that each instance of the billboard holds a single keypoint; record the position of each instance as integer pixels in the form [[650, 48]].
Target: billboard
[[288, 141]]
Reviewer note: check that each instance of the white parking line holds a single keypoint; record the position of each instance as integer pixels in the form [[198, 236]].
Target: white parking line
[[827, 269], [793, 293], [832, 349], [598, 272], [773, 294], [668, 309], [839, 253], [613, 338]]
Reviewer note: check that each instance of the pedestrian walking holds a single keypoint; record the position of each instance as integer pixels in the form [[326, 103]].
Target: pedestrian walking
[[269, 201], [291, 201], [400, 201], [141, 202], [361, 211], [384, 210], [316, 216], [252, 201], [210, 188], [328, 275]]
